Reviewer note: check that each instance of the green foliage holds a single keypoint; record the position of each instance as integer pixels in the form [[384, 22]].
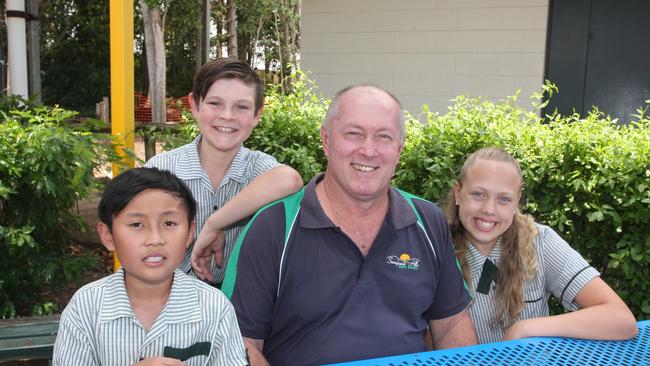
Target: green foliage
[[182, 24], [75, 56], [267, 30], [45, 166], [290, 128], [587, 178]]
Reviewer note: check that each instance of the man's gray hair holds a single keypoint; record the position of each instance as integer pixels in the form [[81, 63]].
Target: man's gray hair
[[333, 109]]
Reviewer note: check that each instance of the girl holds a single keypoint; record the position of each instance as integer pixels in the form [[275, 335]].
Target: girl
[[513, 264]]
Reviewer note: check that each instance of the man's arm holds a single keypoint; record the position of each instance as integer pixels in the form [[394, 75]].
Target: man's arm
[[254, 348], [454, 331], [269, 186]]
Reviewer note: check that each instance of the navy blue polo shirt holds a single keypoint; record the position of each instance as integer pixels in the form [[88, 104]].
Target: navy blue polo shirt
[[334, 304]]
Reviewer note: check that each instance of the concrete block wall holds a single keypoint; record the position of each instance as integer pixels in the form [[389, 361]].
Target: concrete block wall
[[426, 51]]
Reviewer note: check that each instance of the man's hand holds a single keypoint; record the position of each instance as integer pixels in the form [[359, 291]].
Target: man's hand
[[211, 240], [160, 361]]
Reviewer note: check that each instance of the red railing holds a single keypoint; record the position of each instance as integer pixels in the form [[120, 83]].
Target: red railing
[[174, 107]]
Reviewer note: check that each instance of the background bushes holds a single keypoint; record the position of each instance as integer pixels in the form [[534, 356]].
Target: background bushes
[[45, 166], [587, 178]]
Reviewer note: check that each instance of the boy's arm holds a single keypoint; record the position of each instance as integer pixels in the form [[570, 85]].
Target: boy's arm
[[160, 361], [254, 348], [72, 347], [228, 344], [269, 186]]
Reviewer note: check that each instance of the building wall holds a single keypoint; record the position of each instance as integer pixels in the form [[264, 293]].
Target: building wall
[[426, 51]]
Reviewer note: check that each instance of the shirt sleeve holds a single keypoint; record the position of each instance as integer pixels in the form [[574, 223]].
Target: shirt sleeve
[[451, 295], [228, 346], [257, 272], [260, 163], [73, 346], [566, 272]]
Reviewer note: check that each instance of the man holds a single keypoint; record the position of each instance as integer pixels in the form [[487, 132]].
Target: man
[[362, 269]]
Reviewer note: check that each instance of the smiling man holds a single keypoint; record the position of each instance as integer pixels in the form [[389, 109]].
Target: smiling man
[[349, 268]]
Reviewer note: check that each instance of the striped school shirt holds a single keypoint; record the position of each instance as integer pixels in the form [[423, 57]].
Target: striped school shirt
[[562, 272], [98, 327], [245, 167]]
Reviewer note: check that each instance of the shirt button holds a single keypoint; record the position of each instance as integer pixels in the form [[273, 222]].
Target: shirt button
[[215, 207]]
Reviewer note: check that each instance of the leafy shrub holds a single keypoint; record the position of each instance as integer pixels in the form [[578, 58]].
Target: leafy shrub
[[587, 178], [45, 166], [289, 128]]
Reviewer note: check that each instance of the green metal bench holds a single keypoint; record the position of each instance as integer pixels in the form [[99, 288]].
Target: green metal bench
[[28, 339]]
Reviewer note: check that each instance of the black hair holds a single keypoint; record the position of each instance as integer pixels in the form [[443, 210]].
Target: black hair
[[121, 190]]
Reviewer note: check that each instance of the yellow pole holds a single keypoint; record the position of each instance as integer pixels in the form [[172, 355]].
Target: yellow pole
[[122, 80]]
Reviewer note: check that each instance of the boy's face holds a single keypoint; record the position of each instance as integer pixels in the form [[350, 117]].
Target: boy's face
[[226, 116], [150, 236]]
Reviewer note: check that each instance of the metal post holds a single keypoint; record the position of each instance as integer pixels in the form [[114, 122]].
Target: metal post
[[34, 50], [122, 79], [17, 47]]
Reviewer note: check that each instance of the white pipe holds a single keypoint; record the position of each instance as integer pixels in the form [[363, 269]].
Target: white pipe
[[17, 49]]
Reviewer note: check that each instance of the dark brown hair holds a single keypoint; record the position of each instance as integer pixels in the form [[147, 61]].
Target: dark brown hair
[[227, 68]]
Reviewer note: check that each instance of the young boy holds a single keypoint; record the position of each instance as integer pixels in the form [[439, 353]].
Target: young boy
[[229, 181], [148, 312]]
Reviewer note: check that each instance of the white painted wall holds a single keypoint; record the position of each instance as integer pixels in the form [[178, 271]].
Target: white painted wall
[[426, 51]]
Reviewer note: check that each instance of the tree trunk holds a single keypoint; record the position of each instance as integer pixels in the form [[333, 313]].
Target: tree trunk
[[253, 45], [154, 44], [219, 40], [232, 28], [280, 52], [243, 41], [198, 52]]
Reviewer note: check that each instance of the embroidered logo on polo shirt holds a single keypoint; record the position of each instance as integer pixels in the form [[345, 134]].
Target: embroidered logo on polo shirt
[[404, 261]]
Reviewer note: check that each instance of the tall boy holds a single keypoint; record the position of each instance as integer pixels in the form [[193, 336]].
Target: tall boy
[[229, 181], [148, 312]]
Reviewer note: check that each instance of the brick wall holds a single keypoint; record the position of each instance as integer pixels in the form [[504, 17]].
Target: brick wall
[[426, 51]]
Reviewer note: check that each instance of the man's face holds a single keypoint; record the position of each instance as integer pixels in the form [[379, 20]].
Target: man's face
[[364, 143]]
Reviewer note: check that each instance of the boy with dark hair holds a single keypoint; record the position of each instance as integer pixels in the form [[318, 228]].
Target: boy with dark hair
[[148, 312], [229, 181]]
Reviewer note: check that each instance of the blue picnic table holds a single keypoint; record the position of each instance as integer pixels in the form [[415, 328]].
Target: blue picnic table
[[532, 351]]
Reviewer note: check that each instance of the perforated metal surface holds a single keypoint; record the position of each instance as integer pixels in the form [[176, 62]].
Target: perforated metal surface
[[532, 352]]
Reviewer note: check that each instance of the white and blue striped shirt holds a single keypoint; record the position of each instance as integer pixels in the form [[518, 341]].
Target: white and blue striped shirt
[[245, 167], [562, 272], [98, 326]]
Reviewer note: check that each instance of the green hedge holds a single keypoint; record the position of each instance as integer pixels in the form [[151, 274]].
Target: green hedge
[[587, 178], [45, 167]]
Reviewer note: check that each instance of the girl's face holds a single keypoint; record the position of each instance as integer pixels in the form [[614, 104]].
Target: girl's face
[[488, 199]]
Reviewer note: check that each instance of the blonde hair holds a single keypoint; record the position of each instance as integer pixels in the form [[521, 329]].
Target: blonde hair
[[518, 261]]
